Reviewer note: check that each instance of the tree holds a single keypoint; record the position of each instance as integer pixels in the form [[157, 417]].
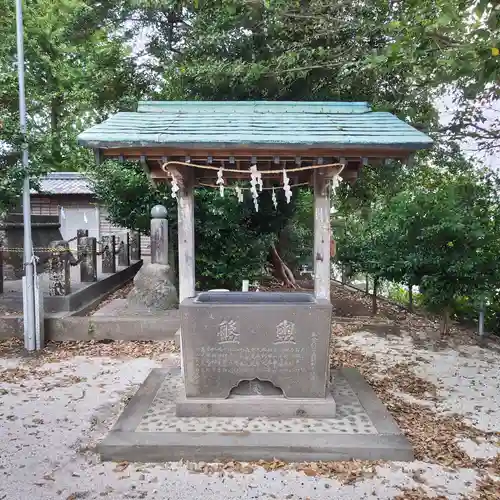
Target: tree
[[78, 69], [232, 240], [453, 226], [452, 44], [439, 230], [278, 50]]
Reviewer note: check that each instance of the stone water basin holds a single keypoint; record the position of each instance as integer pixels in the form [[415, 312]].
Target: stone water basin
[[230, 338]]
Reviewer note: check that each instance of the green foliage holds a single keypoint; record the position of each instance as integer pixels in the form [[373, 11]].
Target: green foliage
[[78, 69], [400, 294], [128, 195], [440, 230], [452, 44], [281, 50], [232, 240], [229, 247], [466, 309]]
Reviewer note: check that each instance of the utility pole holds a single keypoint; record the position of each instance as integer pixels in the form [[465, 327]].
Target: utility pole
[[29, 288]]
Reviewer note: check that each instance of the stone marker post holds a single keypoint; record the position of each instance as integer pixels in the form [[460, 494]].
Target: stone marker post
[[1, 269], [159, 235], [109, 254], [135, 245], [88, 264], [59, 277], [124, 251], [80, 234], [153, 288]]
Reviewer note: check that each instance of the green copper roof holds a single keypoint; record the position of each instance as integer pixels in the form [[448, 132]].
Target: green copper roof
[[257, 124]]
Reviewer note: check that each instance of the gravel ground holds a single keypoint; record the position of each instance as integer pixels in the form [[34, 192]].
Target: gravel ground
[[54, 407]]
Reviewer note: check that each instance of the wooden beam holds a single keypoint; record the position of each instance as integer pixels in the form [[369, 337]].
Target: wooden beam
[[268, 153]]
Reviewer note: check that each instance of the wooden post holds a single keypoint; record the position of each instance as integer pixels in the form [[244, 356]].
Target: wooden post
[[59, 276], [80, 234], [322, 234], [88, 264], [108, 254], [124, 252], [135, 245], [159, 235], [186, 236]]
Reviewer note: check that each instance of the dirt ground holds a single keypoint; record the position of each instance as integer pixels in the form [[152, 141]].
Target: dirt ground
[[444, 393]]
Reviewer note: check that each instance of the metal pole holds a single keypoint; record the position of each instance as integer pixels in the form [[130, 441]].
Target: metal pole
[[481, 319], [29, 290]]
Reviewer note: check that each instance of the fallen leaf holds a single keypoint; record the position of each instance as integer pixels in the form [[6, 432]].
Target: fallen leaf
[[120, 467], [310, 472]]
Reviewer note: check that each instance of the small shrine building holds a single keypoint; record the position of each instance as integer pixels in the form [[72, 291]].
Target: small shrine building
[[236, 146]]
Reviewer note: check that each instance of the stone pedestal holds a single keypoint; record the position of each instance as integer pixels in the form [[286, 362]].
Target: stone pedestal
[[153, 288], [150, 431]]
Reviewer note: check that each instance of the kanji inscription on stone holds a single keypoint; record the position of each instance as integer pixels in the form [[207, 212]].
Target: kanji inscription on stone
[[227, 333], [285, 333]]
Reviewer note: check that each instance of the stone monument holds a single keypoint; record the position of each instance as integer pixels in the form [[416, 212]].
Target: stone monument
[[153, 287], [45, 228]]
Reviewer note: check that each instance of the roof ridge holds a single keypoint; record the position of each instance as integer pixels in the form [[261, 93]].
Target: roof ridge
[[303, 107]]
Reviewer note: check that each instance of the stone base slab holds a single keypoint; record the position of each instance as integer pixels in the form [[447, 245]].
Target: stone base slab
[[257, 406], [149, 430]]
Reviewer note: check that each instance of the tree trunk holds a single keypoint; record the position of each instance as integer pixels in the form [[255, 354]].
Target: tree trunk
[[55, 107], [410, 297], [281, 270], [445, 325], [374, 296]]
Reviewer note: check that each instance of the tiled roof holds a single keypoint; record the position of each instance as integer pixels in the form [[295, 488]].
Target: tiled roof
[[65, 183], [226, 124]]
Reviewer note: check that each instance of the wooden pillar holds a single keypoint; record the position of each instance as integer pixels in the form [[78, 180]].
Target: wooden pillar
[[88, 264], [186, 236], [108, 262], [322, 234]]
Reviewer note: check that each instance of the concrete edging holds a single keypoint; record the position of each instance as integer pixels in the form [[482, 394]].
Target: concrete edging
[[122, 443], [67, 325]]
